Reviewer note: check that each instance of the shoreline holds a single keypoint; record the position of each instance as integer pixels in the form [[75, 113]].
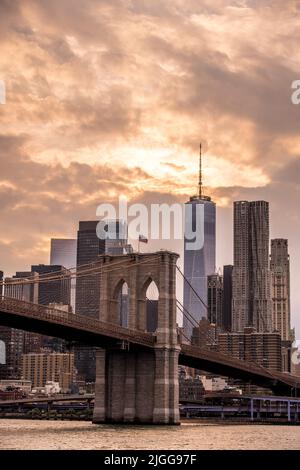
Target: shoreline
[[185, 421]]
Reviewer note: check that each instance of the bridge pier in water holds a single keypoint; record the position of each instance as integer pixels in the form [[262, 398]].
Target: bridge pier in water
[[136, 387], [139, 385]]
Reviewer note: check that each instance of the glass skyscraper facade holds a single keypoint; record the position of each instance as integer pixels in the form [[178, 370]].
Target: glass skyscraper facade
[[89, 248], [251, 281], [63, 252], [198, 263]]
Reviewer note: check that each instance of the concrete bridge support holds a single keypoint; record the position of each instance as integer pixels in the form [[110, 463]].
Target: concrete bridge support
[[140, 386], [137, 387]]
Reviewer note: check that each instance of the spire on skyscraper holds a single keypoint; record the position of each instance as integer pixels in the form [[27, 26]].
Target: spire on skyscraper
[[200, 173]]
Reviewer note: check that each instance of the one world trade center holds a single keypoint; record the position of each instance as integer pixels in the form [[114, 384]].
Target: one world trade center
[[199, 260]]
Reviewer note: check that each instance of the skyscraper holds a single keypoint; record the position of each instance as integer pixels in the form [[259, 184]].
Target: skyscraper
[[215, 299], [27, 292], [1, 282], [63, 252], [57, 291], [251, 275], [117, 243], [13, 338], [199, 263], [280, 269], [263, 349], [89, 247], [227, 298]]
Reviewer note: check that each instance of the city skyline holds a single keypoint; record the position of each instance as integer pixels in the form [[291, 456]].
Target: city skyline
[[178, 246]]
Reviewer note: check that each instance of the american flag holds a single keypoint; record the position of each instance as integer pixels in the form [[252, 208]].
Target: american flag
[[143, 239]]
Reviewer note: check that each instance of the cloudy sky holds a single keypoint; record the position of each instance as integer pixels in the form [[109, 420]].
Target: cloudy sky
[[112, 97]]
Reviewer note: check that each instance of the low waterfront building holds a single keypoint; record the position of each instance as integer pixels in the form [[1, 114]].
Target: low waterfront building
[[190, 388], [24, 385], [45, 367]]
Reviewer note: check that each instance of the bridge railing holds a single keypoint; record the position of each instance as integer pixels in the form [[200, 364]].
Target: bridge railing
[[44, 313]]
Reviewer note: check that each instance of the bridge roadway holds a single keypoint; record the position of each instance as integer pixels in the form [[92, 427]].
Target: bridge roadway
[[57, 323]]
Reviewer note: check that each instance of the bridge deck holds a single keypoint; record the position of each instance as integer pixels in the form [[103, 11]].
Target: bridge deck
[[30, 316], [225, 365]]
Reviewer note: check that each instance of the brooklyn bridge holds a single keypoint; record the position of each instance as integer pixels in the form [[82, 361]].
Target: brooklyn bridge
[[137, 371]]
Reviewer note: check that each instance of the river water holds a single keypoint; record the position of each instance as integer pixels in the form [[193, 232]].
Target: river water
[[64, 435]]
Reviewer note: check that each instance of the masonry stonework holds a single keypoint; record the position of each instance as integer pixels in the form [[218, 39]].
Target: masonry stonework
[[139, 386]]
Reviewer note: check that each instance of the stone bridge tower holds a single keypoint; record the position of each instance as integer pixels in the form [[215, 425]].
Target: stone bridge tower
[[135, 385]]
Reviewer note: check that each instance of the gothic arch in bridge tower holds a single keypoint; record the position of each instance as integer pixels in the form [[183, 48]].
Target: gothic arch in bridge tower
[[150, 296], [138, 271]]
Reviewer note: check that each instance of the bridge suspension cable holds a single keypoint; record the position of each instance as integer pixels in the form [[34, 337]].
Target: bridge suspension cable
[[80, 271], [192, 288], [187, 314]]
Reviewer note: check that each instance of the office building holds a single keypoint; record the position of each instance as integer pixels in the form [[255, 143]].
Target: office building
[[205, 334], [280, 269], [53, 291], [252, 306], [50, 292], [89, 247], [15, 339], [227, 298], [63, 252], [16, 286], [190, 388], [263, 349], [295, 363], [45, 367], [1, 283], [199, 263], [117, 242], [215, 299]]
